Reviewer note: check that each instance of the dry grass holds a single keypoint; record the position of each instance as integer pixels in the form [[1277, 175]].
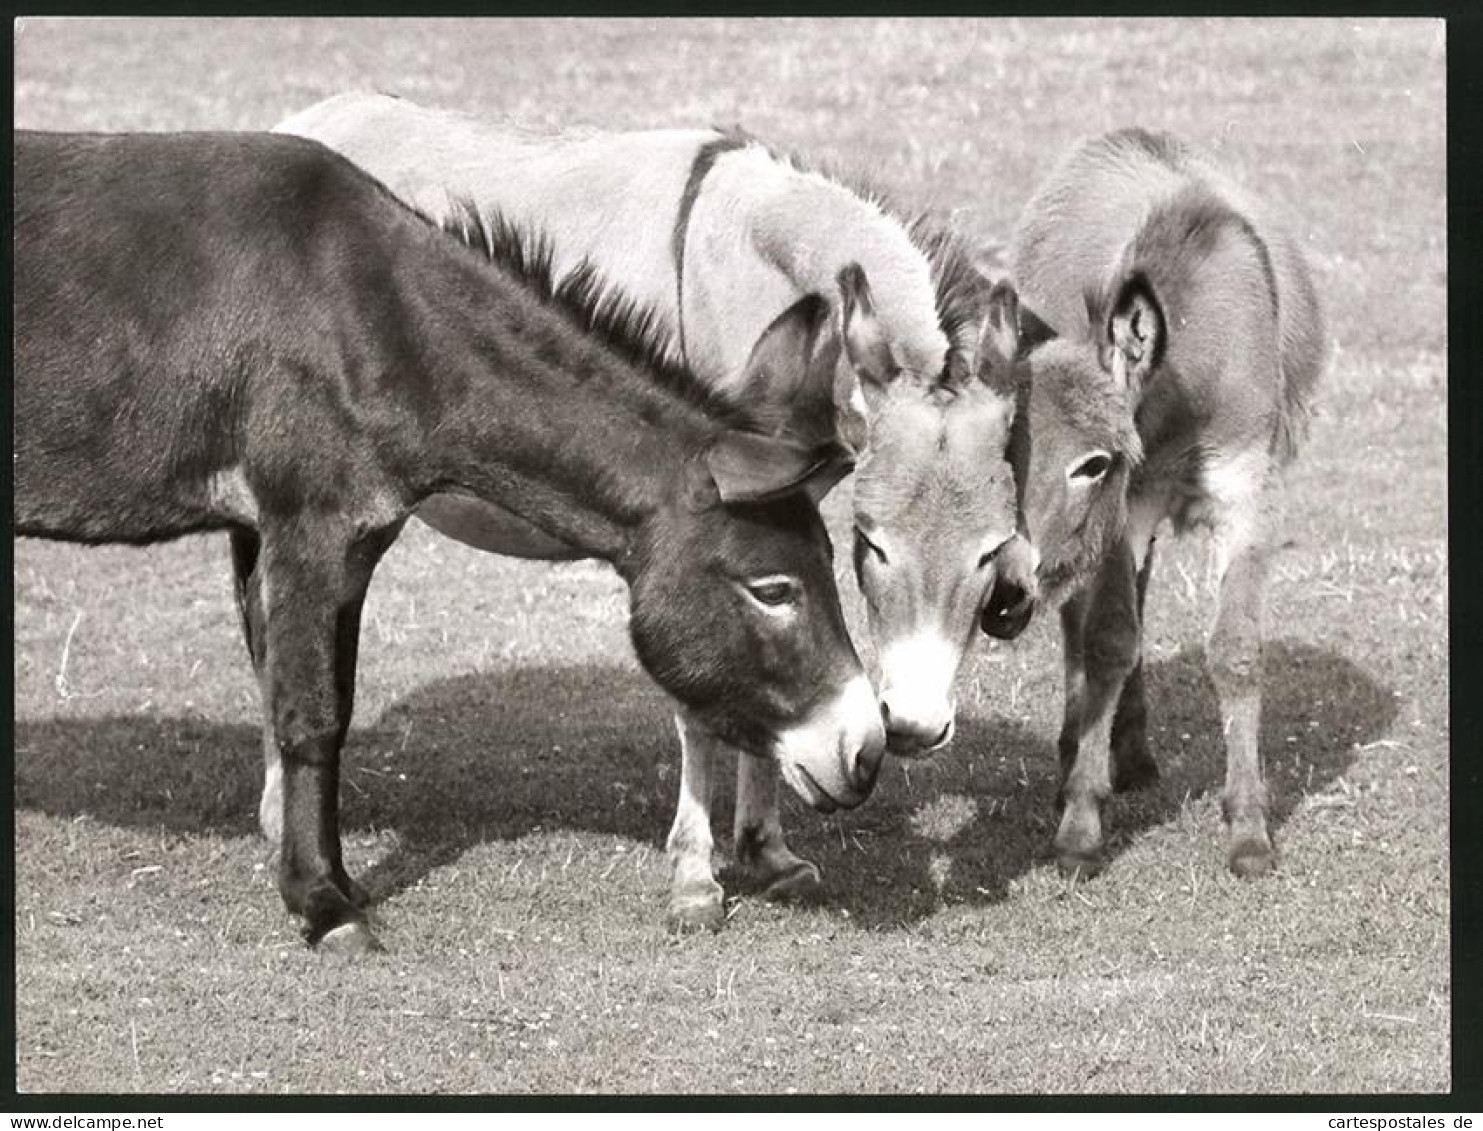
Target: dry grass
[[511, 773]]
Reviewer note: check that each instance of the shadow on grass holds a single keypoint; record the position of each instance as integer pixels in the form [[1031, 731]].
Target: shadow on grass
[[961, 828], [467, 760], [461, 761]]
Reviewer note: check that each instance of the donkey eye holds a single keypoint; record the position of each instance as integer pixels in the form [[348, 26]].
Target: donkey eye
[[862, 539], [1090, 467], [774, 592]]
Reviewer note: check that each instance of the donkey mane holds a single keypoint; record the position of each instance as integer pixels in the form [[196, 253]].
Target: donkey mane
[[1162, 147], [629, 328], [961, 287]]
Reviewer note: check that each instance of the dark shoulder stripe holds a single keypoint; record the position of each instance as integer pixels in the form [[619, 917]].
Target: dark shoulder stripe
[[1194, 217], [700, 167], [1263, 254], [1247, 229]]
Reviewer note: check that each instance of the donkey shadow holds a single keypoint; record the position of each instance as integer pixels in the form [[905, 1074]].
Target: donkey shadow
[[960, 829], [457, 763], [486, 757]]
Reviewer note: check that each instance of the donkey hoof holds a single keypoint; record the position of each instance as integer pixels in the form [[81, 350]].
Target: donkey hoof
[[350, 939], [1079, 839], [697, 911], [800, 880], [1250, 856], [1079, 865]]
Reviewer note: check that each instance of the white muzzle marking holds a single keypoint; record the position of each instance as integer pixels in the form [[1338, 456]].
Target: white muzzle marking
[[917, 676], [823, 754]]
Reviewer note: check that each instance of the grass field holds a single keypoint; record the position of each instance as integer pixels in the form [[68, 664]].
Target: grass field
[[511, 773]]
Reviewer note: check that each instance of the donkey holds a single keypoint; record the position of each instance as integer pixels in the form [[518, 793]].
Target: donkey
[[244, 332], [718, 234], [1173, 342]]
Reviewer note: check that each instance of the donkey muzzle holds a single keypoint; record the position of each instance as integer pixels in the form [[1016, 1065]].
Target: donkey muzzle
[[831, 760], [917, 708], [913, 738]]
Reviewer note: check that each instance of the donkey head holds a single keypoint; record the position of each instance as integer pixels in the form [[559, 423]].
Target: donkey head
[[1076, 436], [734, 605], [935, 519]]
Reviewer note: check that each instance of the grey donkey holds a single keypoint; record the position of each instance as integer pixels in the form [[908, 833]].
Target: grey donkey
[[1168, 341]]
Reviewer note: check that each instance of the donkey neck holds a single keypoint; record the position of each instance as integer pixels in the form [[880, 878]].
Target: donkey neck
[[809, 227], [538, 416]]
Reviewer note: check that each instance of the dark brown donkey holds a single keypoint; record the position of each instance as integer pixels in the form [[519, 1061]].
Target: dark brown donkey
[[246, 333], [1189, 345]]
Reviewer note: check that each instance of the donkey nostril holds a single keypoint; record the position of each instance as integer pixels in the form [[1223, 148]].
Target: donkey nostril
[[1008, 611], [1010, 599], [943, 735]]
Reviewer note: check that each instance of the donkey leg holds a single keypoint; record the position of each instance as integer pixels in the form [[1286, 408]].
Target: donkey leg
[[310, 579], [363, 559], [1073, 617], [1133, 767], [696, 900], [1109, 639], [249, 592], [1233, 658], [759, 832]]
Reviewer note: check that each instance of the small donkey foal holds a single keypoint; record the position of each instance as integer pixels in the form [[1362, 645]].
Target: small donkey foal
[[1170, 342]]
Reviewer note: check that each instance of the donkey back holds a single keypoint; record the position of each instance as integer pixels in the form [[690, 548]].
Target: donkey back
[[1245, 342], [604, 198]]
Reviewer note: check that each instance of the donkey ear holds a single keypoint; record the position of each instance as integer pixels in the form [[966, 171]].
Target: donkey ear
[[794, 385], [787, 388], [1135, 335], [748, 468], [865, 343], [822, 479], [1009, 331], [851, 412], [999, 338], [1034, 331]]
